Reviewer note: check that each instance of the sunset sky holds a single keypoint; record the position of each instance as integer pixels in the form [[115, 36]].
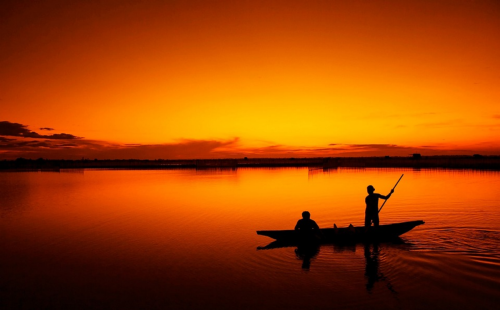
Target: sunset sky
[[218, 79]]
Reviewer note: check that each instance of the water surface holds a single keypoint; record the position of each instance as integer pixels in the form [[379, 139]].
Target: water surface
[[185, 239]]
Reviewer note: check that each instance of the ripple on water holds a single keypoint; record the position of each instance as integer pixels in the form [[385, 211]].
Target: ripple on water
[[466, 240], [442, 275]]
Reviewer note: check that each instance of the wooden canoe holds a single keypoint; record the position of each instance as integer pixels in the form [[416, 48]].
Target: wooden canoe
[[347, 234]]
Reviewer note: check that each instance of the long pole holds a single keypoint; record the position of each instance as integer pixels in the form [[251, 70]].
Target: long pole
[[392, 189]]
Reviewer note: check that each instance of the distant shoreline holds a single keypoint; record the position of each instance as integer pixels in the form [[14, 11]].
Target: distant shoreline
[[416, 161]]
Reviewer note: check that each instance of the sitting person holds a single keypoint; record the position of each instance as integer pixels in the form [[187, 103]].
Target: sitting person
[[306, 224]]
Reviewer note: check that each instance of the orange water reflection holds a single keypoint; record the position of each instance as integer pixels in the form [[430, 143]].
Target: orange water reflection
[[186, 238]]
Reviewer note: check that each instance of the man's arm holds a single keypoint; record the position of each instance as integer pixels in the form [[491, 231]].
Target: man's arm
[[297, 225], [386, 197], [315, 225]]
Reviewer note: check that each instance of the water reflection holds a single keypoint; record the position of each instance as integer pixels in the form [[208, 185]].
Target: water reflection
[[372, 253], [372, 266], [151, 239], [303, 251], [220, 171], [372, 270], [306, 252], [14, 192]]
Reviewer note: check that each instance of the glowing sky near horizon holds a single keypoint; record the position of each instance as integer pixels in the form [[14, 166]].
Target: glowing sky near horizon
[[253, 76]]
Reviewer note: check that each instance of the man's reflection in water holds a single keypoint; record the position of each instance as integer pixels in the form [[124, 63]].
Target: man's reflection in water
[[306, 252], [372, 268], [371, 271]]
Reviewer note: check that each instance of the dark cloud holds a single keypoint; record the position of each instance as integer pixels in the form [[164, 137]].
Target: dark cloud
[[364, 150], [20, 130], [67, 145], [53, 149], [2, 139], [46, 128], [22, 142], [497, 116], [205, 149], [64, 136], [370, 146]]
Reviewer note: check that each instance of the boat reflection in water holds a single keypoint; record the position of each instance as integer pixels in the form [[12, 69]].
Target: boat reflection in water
[[308, 251]]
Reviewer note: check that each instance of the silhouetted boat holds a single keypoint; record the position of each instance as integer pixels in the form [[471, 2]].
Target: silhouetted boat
[[347, 234]]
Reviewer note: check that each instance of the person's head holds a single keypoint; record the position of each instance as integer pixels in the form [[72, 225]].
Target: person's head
[[370, 189], [306, 215]]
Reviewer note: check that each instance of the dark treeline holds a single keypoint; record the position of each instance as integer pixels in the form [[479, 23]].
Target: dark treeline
[[414, 161]]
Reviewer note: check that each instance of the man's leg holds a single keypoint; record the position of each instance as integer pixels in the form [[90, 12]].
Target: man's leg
[[375, 220], [368, 220]]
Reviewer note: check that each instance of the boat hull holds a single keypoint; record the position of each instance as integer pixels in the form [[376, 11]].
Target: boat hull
[[348, 234]]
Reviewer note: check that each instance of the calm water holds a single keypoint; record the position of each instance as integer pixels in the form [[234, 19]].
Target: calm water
[[185, 239]]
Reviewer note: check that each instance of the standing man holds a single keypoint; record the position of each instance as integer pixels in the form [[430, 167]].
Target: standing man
[[371, 212]]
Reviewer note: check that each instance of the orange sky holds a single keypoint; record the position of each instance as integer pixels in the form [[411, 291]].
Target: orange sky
[[205, 79]]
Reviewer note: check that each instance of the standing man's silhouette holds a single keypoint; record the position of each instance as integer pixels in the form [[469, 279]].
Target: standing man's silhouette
[[371, 212]]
